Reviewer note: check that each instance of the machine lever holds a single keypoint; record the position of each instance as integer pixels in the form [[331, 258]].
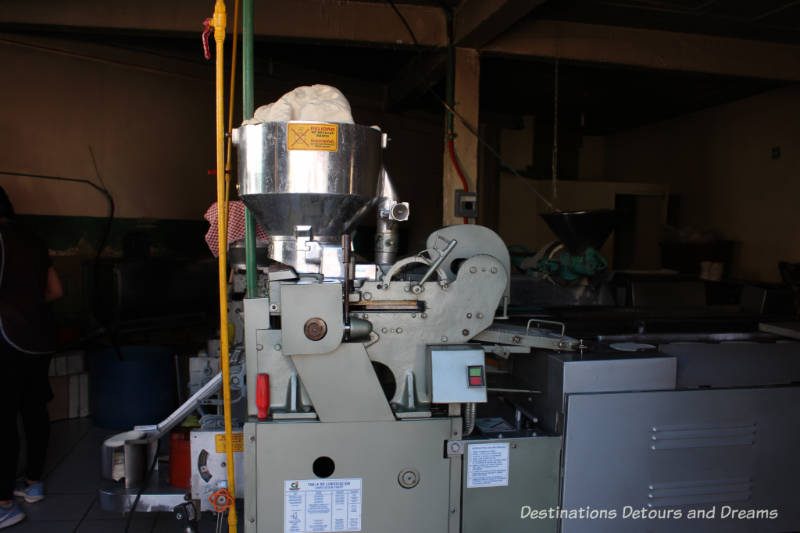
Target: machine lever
[[442, 256], [155, 432]]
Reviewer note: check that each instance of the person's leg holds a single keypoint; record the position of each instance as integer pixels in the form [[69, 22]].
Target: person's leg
[[9, 444], [35, 418]]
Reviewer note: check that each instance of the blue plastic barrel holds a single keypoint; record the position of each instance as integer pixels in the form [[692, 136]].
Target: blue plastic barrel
[[134, 386]]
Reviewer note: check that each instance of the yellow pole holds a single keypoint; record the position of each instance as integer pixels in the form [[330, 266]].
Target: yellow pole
[[219, 22], [231, 91]]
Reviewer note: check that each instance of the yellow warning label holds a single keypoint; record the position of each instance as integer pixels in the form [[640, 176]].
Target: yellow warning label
[[238, 442], [313, 137]]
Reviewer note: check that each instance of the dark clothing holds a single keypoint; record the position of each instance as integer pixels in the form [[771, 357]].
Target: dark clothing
[[24, 389], [25, 319], [26, 337]]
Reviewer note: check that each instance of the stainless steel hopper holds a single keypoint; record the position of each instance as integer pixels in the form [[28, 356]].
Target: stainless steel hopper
[[308, 183]]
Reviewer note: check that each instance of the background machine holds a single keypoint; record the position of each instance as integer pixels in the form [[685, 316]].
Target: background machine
[[398, 395]]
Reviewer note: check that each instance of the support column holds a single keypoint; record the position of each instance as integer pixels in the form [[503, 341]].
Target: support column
[[248, 109], [467, 98]]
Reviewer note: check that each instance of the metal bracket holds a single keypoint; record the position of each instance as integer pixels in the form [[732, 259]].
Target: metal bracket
[[455, 447]]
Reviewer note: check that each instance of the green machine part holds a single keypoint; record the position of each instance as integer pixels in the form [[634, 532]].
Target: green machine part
[[571, 267]]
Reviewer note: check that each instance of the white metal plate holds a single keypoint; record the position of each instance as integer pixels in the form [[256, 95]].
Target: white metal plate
[[322, 505], [487, 465]]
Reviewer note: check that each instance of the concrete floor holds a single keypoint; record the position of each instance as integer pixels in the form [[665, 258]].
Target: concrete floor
[[72, 475]]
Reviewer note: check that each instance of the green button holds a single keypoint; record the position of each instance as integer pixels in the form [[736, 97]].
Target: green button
[[475, 371]]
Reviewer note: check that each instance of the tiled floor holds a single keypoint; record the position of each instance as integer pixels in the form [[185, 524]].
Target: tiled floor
[[72, 475]]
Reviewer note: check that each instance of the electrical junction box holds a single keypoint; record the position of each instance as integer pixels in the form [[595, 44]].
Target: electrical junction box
[[457, 373], [466, 204]]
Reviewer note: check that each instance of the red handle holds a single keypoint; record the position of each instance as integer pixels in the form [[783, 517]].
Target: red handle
[[262, 396], [207, 29]]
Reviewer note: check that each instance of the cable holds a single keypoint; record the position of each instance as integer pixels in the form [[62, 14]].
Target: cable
[[469, 127], [450, 130], [101, 245], [405, 22], [452, 150], [104, 237], [494, 152], [555, 131]]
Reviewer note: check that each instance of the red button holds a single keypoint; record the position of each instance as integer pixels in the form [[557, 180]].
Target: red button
[[475, 381]]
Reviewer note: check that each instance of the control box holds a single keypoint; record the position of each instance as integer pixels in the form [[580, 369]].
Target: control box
[[456, 373]]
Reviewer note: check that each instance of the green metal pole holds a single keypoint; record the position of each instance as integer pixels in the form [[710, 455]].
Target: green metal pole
[[247, 112]]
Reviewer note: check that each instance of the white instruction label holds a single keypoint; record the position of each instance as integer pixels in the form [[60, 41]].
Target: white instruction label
[[487, 465], [320, 505]]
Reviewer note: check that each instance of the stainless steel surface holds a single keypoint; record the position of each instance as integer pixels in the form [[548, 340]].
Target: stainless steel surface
[[561, 374], [376, 453], [533, 482], [663, 338], [735, 364], [236, 258], [630, 374], [327, 190], [390, 213], [306, 255], [681, 450]]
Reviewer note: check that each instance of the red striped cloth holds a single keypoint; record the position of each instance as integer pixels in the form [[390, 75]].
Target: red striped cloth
[[235, 226]]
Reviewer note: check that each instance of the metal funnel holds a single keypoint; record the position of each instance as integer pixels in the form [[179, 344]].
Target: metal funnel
[[317, 174], [579, 230]]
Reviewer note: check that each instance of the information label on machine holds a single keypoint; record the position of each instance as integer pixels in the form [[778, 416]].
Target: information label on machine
[[313, 137], [487, 465], [237, 439], [321, 505]]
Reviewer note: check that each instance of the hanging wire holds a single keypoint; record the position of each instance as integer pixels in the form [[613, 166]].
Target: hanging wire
[[474, 130], [404, 21], [555, 131], [496, 154]]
